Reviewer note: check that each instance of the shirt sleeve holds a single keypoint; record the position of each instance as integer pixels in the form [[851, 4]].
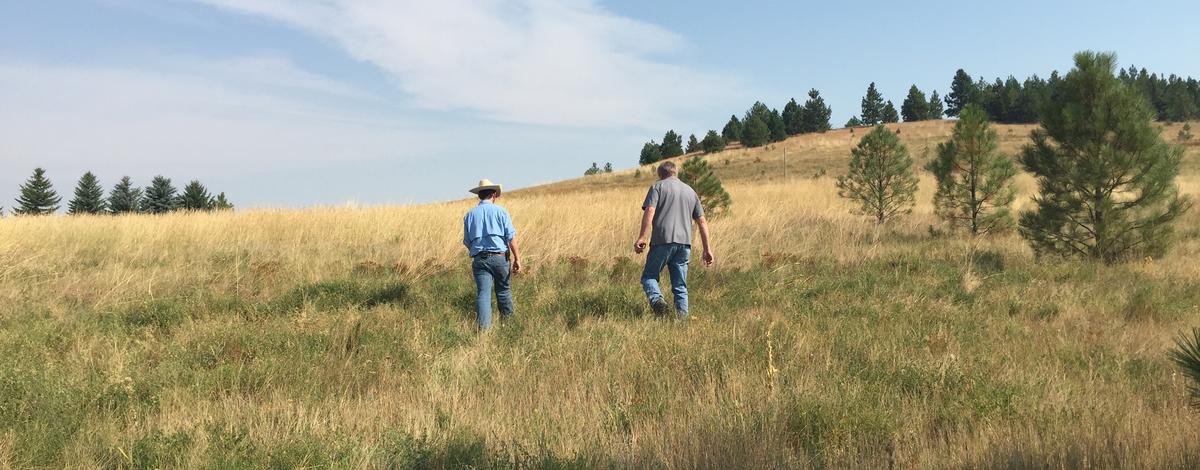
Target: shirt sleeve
[[698, 211], [651, 198], [466, 235], [510, 232]]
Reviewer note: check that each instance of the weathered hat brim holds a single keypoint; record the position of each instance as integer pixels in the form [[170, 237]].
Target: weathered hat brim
[[477, 189]]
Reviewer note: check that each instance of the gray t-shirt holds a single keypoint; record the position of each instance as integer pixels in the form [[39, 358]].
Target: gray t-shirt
[[675, 205]]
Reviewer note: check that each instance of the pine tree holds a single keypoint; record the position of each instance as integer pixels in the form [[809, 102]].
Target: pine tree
[[1106, 177], [814, 116], [1185, 133], [159, 197], [89, 196], [732, 132], [759, 110], [974, 180], [221, 204], [595, 169], [651, 153], [889, 113], [607, 168], [713, 142], [936, 109], [1186, 355], [777, 127], [124, 197], [872, 107], [962, 93], [693, 145], [698, 174], [914, 107], [755, 132], [37, 196], [793, 119], [880, 177], [853, 122], [672, 145], [195, 197]]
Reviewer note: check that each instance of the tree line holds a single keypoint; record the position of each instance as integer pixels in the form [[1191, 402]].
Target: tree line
[[1106, 176], [38, 197], [758, 126]]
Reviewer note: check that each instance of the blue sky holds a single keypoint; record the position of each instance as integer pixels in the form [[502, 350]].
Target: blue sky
[[284, 103]]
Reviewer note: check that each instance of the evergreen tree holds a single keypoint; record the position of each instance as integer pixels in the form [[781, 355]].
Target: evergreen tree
[[936, 109], [1185, 133], [607, 168], [651, 152], [698, 174], [595, 169], [759, 110], [89, 196], [793, 120], [195, 197], [814, 116], [962, 93], [755, 132], [1106, 177], [672, 145], [159, 196], [872, 107], [713, 142], [221, 204], [37, 196], [880, 178], [732, 131], [914, 107], [974, 180], [889, 113], [777, 127], [124, 197], [853, 122], [693, 145]]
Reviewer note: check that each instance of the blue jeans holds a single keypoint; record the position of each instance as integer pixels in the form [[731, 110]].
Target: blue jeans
[[675, 257], [489, 270]]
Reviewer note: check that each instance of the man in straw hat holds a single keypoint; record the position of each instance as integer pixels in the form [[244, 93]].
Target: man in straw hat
[[490, 238], [670, 207]]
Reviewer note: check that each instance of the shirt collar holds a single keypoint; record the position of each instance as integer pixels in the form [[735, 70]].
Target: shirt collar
[[485, 201]]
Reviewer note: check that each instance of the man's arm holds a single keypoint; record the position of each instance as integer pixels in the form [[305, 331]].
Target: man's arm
[[515, 249], [647, 219], [708, 253]]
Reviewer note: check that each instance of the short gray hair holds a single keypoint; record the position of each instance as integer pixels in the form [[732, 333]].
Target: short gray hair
[[667, 169]]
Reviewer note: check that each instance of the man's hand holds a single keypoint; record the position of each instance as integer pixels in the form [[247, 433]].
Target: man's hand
[[708, 258], [639, 246], [516, 265]]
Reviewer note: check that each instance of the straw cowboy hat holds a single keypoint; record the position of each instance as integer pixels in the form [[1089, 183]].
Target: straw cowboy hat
[[485, 184]]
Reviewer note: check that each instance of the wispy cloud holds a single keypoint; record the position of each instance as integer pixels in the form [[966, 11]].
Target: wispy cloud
[[555, 62]]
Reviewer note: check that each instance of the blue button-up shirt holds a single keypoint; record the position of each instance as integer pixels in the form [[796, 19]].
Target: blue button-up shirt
[[487, 227]]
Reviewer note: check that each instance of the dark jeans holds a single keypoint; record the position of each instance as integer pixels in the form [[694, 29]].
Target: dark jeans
[[489, 270]]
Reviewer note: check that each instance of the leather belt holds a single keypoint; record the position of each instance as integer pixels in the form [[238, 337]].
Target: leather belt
[[485, 254]]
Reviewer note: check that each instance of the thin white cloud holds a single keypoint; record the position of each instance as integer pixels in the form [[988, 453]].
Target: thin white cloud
[[555, 62]]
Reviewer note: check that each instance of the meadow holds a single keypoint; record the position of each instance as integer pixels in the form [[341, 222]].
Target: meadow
[[344, 337]]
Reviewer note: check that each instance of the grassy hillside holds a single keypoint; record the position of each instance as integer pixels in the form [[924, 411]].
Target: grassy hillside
[[344, 338]]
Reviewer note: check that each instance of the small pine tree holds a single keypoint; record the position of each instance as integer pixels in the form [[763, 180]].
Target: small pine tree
[[755, 133], [221, 203], [814, 116], [1185, 133], [37, 196], [651, 153], [698, 174], [915, 107], [963, 91], [936, 109], [713, 142], [732, 132], [974, 180], [672, 145], [693, 145], [124, 197], [872, 106], [159, 197], [595, 169], [880, 177], [1106, 177], [608, 167], [195, 197], [889, 113], [89, 196], [853, 122]]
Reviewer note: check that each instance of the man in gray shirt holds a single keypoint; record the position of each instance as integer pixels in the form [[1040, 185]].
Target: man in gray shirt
[[669, 209]]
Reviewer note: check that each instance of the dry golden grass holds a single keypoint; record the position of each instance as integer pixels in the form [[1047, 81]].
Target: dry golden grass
[[818, 338]]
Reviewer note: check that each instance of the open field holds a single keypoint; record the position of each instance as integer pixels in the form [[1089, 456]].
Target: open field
[[344, 338]]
